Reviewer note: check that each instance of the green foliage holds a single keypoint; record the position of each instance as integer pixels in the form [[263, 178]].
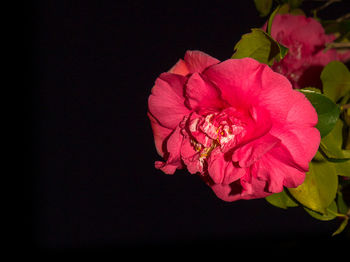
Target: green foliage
[[286, 7], [342, 206], [269, 23], [336, 86], [319, 188], [327, 111], [281, 200], [263, 6], [342, 210], [331, 147], [321, 193], [342, 226], [335, 80], [260, 46], [328, 215]]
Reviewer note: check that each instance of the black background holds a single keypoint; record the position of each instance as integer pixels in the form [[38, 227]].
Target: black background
[[92, 179]]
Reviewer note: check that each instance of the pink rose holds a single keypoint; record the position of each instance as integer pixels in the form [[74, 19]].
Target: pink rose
[[306, 40], [237, 123]]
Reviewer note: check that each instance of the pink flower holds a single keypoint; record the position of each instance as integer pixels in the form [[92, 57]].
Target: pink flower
[[306, 40], [237, 124]]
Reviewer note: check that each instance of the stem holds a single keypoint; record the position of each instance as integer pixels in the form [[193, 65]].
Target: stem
[[329, 2], [337, 214], [339, 45], [340, 19], [344, 107]]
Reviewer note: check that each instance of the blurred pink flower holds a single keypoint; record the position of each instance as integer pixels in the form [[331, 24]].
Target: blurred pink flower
[[237, 123], [306, 40]]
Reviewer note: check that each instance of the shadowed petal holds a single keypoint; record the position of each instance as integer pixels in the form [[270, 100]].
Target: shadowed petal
[[173, 146], [160, 133]]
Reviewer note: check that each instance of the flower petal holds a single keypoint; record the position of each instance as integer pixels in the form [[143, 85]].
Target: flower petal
[[253, 151], [301, 113], [277, 96], [190, 157], [166, 103], [173, 159], [160, 134], [298, 28], [202, 94], [301, 143], [198, 61], [226, 192], [222, 170], [217, 166], [239, 80], [278, 171], [180, 68], [240, 189]]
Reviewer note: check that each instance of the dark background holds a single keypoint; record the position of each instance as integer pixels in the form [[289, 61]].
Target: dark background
[[92, 181]]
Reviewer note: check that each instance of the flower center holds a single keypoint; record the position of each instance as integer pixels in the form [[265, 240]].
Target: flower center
[[221, 130]]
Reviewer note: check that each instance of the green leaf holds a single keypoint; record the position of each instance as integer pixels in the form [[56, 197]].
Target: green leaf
[[272, 16], [331, 146], [319, 188], [283, 50], [342, 206], [345, 100], [327, 111], [343, 169], [327, 216], [341, 227], [263, 6], [335, 79], [281, 200], [260, 46]]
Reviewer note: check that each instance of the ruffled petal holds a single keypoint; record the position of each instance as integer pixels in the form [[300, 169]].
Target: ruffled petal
[[190, 157], [166, 103], [278, 170], [222, 170], [240, 189], [202, 94], [173, 159], [301, 143], [228, 192], [254, 188], [217, 166], [253, 151]]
